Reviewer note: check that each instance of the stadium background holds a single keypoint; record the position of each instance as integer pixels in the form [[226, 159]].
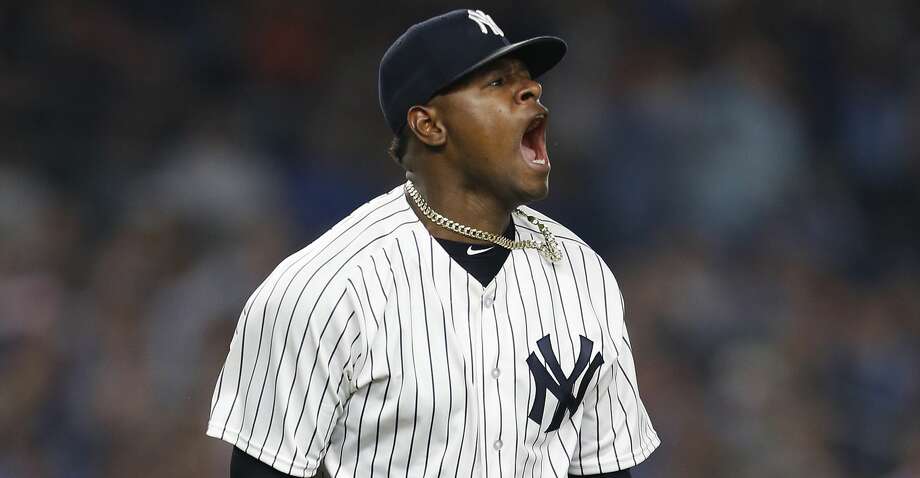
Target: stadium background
[[749, 170]]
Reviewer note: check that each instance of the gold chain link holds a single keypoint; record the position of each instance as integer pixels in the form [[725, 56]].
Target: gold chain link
[[549, 248]]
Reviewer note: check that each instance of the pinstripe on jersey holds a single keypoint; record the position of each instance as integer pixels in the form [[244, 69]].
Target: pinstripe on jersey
[[372, 353]]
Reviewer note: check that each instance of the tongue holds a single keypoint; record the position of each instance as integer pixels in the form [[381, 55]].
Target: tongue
[[529, 153]]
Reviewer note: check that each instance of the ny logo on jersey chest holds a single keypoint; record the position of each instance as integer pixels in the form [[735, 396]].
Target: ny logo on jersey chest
[[558, 383]]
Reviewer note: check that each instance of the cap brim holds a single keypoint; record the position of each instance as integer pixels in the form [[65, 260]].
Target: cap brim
[[540, 54]]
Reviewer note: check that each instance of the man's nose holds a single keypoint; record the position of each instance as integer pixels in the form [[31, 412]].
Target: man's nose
[[530, 89]]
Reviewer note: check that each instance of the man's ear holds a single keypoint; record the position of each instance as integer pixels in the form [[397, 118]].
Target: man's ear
[[427, 126]]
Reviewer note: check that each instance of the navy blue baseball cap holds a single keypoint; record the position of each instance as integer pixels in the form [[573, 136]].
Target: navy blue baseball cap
[[437, 52]]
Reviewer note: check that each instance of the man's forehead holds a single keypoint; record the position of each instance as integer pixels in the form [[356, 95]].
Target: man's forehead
[[504, 64]]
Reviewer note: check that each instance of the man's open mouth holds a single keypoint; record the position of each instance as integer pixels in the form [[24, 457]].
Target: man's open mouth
[[533, 143]]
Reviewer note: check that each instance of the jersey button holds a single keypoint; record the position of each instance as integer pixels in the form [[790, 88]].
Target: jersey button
[[497, 445], [496, 372], [488, 301]]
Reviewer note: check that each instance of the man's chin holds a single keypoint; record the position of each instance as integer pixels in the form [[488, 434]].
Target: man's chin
[[535, 191]]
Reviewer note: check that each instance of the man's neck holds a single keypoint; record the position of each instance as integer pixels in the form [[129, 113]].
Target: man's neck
[[473, 208]]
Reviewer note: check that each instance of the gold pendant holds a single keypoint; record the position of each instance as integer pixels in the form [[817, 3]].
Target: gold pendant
[[550, 254]]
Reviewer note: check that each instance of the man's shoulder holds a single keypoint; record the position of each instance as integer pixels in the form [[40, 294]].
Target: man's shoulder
[[561, 232], [367, 229]]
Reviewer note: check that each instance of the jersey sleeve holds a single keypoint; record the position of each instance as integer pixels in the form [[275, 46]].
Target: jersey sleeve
[[616, 432], [288, 374]]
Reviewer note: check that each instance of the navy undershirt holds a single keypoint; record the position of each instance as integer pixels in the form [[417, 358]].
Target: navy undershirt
[[483, 266], [243, 465]]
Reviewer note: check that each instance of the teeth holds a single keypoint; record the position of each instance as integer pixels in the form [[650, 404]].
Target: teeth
[[540, 161]]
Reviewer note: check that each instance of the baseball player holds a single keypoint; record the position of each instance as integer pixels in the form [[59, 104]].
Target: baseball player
[[442, 329]]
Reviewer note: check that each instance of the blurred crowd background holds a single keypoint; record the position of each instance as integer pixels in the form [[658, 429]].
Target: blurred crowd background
[[750, 171]]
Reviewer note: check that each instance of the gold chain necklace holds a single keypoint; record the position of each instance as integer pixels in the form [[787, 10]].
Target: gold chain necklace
[[549, 248]]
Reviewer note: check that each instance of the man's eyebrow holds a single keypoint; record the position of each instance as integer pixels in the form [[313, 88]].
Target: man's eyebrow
[[508, 67], [505, 67]]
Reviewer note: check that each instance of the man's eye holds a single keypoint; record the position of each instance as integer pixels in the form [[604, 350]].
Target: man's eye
[[497, 82]]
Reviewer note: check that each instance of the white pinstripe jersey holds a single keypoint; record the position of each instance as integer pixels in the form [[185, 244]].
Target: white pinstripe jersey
[[372, 353]]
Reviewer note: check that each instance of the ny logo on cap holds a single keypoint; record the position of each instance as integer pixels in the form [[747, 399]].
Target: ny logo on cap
[[559, 383], [484, 21]]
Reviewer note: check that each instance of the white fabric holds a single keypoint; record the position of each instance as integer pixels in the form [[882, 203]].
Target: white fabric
[[372, 353]]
